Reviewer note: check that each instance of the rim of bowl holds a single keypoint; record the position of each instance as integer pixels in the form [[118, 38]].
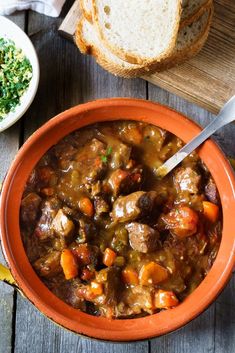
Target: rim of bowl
[[33, 288], [27, 98]]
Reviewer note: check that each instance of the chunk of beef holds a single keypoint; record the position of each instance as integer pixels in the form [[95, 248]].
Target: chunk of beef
[[43, 228], [126, 208], [72, 298], [32, 245], [62, 225], [66, 290], [90, 163], [187, 179], [110, 278], [148, 201], [87, 230], [130, 207], [48, 265], [109, 281], [46, 177], [211, 191], [86, 254], [29, 209], [125, 182], [101, 206], [142, 237], [64, 153]]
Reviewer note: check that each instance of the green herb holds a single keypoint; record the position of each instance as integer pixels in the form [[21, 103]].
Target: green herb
[[15, 76], [104, 157]]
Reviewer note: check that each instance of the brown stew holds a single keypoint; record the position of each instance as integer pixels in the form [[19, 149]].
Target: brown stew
[[105, 235]]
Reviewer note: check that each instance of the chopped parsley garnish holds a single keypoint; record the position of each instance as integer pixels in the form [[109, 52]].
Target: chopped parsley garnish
[[15, 75], [104, 157]]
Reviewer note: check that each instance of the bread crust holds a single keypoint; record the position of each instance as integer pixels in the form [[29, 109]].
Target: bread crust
[[129, 57], [196, 14], [189, 51], [141, 70], [86, 48], [86, 14]]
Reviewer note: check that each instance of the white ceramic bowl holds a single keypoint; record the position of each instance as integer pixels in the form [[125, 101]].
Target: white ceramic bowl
[[10, 30]]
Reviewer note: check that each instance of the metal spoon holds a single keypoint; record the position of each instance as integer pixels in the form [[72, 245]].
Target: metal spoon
[[226, 115]]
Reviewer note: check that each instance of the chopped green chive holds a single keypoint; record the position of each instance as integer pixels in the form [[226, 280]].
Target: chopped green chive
[[15, 76]]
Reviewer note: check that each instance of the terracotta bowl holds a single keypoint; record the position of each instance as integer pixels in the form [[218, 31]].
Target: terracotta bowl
[[30, 284]]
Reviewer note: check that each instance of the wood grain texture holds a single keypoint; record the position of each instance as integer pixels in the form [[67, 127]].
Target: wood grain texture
[[208, 79], [9, 144]]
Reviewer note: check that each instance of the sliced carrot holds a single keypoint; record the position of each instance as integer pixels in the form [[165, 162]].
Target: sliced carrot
[[96, 288], [86, 206], [109, 257], [69, 264], [210, 211], [130, 276], [165, 299], [152, 273]]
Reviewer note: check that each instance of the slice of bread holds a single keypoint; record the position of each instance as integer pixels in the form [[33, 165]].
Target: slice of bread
[[191, 10], [189, 42], [137, 31], [86, 8]]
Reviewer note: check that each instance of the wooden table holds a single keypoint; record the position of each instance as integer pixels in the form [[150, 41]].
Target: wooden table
[[67, 79]]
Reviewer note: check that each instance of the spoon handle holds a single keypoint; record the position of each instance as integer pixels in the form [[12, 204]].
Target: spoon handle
[[226, 115]]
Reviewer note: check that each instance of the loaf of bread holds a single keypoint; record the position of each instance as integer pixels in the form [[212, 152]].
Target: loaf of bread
[[131, 42]]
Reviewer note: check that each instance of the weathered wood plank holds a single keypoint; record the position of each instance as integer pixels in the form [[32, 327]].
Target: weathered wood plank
[[9, 144], [225, 320], [87, 346], [213, 331], [67, 79]]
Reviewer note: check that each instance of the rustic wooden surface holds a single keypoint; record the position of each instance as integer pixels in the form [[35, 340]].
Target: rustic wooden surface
[[68, 78], [208, 79]]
